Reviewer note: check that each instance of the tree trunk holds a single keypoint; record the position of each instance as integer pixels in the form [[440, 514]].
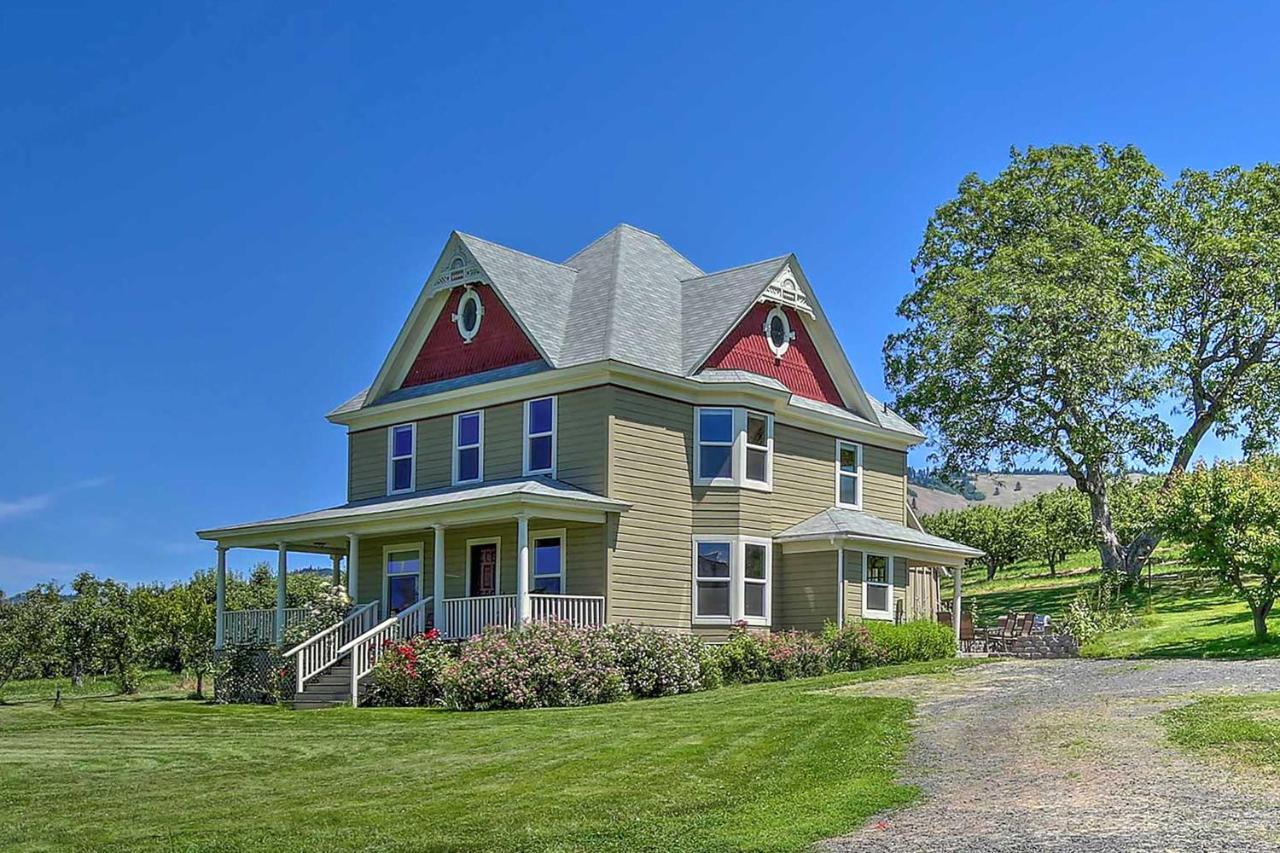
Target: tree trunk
[[1260, 614], [991, 570], [1053, 568]]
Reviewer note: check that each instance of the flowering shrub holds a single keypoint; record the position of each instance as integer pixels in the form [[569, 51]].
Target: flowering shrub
[[794, 654], [411, 672], [330, 605], [658, 663], [911, 641], [743, 658], [539, 665], [850, 648]]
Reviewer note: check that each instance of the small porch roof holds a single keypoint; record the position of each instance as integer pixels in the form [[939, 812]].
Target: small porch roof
[[857, 527], [476, 503]]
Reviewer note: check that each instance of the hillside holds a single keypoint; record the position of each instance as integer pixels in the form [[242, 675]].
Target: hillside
[[1001, 490]]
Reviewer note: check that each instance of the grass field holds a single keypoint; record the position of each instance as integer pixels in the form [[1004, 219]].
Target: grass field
[[1241, 729], [771, 766], [1184, 614]]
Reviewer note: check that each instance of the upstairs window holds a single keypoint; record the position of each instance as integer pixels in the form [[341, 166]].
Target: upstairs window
[[470, 313], [540, 436], [777, 331], [468, 447], [877, 586], [733, 447], [732, 578], [848, 475], [400, 443]]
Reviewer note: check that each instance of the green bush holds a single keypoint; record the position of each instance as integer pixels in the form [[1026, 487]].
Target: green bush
[[411, 672], [911, 641], [753, 656], [849, 648]]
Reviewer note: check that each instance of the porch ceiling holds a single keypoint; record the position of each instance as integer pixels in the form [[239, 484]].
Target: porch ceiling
[[536, 497]]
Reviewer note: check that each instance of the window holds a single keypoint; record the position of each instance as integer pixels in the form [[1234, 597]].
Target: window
[[849, 474], [470, 313], [401, 583], [540, 436], [731, 579], [468, 447], [400, 443], [548, 564], [877, 586], [777, 331], [734, 447]]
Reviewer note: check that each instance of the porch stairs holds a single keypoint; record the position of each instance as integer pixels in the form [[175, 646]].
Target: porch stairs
[[329, 688]]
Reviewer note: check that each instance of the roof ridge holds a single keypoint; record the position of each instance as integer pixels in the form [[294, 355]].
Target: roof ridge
[[467, 236], [616, 271], [787, 256]]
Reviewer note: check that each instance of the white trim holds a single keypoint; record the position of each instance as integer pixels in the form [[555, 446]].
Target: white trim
[[550, 533], [412, 457], [787, 334], [479, 444], [496, 541], [868, 613], [469, 294], [736, 581], [387, 551], [527, 437], [840, 579], [857, 490], [737, 449]]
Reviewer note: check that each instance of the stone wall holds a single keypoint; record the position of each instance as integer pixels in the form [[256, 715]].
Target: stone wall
[[1041, 646]]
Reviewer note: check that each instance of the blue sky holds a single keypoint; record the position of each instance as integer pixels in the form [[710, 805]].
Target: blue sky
[[214, 219]]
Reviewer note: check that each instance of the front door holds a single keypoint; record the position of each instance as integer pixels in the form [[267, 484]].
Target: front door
[[482, 564]]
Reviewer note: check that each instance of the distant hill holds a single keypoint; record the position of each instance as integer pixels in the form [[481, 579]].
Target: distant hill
[[992, 489]]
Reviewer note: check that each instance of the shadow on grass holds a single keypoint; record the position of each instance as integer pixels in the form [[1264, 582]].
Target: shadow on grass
[[1219, 648]]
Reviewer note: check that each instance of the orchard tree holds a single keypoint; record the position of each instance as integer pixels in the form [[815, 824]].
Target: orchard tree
[[1062, 305], [994, 531], [29, 632], [1056, 524], [1229, 516]]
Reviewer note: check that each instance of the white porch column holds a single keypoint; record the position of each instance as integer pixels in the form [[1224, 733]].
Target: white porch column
[[437, 580], [282, 570], [220, 600], [957, 581], [523, 605], [353, 566], [337, 569]]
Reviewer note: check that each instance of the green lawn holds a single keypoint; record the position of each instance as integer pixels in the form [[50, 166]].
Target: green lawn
[[772, 766], [1243, 729], [153, 682], [1185, 614]]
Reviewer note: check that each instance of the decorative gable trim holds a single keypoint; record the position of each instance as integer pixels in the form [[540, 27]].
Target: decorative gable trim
[[784, 291]]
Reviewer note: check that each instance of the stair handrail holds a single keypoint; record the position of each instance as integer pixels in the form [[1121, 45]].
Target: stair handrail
[[367, 648], [320, 651]]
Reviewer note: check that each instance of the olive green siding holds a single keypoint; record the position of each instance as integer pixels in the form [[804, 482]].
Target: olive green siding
[[804, 590], [367, 464], [884, 492], [902, 577]]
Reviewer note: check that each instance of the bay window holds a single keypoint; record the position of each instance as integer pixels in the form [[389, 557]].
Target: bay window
[[400, 445], [468, 448], [540, 436], [733, 447], [732, 577]]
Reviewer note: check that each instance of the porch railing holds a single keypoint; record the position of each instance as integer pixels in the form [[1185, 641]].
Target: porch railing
[[319, 652], [466, 617], [367, 648], [574, 609], [243, 627]]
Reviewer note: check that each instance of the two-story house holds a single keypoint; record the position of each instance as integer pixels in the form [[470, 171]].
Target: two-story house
[[619, 436]]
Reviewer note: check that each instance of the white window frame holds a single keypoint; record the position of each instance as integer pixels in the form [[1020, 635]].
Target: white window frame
[[387, 551], [480, 444], [868, 613], [736, 580], [529, 436], [469, 295], [392, 458], [788, 336], [554, 533], [495, 541], [738, 450], [857, 492]]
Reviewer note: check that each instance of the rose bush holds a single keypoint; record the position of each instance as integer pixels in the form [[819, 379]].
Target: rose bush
[[411, 672]]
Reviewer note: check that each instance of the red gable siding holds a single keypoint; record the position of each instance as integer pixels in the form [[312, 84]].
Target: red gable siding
[[800, 368], [499, 343]]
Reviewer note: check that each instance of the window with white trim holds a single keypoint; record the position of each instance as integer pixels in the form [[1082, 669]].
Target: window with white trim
[[469, 314], [777, 331], [402, 577], [548, 563], [540, 436], [733, 447], [400, 445], [732, 579], [468, 447], [849, 474], [877, 586]]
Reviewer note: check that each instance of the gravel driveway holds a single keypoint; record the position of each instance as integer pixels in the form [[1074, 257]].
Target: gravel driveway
[[1070, 755]]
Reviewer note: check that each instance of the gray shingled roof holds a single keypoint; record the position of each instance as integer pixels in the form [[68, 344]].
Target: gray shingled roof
[[540, 487], [604, 302], [838, 522]]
